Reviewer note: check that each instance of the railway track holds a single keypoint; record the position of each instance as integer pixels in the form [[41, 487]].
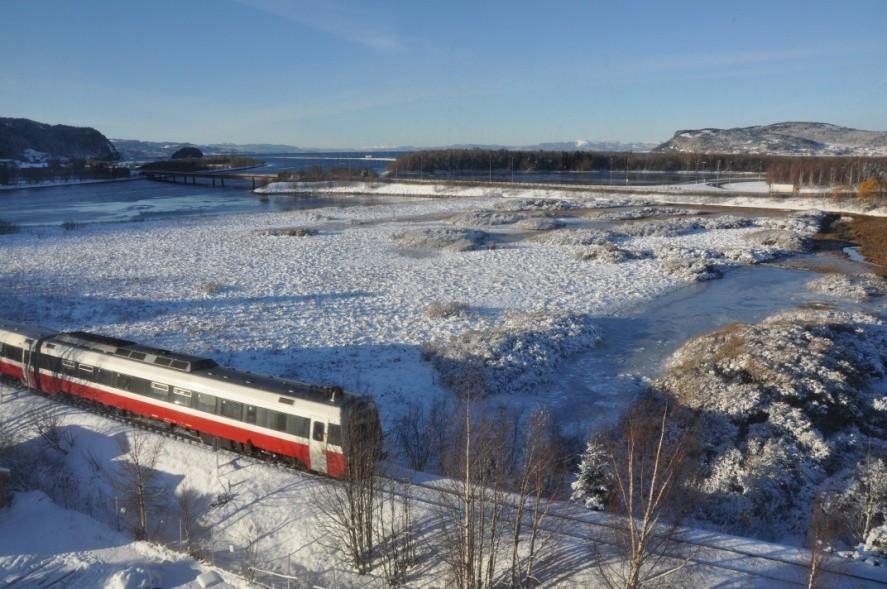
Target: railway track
[[702, 554]]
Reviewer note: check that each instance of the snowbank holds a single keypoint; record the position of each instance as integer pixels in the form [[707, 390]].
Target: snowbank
[[786, 405], [459, 240], [857, 287], [515, 355]]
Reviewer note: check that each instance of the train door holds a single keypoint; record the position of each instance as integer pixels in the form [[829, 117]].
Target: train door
[[318, 446], [29, 375]]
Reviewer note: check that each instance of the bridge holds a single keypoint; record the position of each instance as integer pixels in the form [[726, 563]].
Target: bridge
[[212, 177]]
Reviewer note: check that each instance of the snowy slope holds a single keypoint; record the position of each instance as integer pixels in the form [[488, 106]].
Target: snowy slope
[[42, 544]]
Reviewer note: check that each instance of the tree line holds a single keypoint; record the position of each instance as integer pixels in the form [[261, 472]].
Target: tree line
[[56, 170], [202, 163], [799, 170]]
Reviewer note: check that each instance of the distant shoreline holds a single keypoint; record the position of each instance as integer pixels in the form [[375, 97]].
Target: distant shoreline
[[54, 184]]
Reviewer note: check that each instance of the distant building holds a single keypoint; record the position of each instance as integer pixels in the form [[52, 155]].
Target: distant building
[[783, 188]]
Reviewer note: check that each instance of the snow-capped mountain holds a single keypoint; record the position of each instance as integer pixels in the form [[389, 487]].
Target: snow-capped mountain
[[791, 138]]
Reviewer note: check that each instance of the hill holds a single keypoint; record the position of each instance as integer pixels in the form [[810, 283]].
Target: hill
[[29, 141], [135, 150], [792, 138]]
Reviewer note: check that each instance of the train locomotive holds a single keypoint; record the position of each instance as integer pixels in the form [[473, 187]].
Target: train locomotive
[[305, 425]]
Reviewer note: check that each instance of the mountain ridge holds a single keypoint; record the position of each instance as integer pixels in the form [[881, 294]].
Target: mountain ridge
[[30, 141], [784, 138]]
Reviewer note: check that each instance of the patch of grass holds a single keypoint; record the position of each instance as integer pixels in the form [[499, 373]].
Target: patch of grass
[[871, 235], [289, 232], [441, 310]]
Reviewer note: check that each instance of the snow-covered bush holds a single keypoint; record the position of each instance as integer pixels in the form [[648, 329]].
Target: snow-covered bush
[[628, 213], [514, 355], [605, 252], [859, 287], [689, 264], [786, 404], [441, 238], [726, 222], [485, 218], [578, 237], [781, 239], [660, 227], [288, 232], [539, 224], [536, 204], [441, 310]]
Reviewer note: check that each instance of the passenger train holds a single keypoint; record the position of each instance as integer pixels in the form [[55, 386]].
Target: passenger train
[[301, 423]]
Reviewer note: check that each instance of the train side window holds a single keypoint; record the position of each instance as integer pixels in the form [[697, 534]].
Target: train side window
[[334, 436], [318, 431], [123, 381], [298, 426], [181, 397], [69, 365], [231, 409], [206, 403], [159, 391], [275, 420], [249, 414], [86, 368]]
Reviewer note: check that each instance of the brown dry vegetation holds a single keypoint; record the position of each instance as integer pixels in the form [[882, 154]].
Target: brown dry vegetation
[[871, 235]]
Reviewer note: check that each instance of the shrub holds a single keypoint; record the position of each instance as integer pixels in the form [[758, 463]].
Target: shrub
[[869, 188], [439, 310]]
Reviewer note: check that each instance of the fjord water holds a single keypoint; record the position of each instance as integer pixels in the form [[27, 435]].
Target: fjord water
[[141, 200]]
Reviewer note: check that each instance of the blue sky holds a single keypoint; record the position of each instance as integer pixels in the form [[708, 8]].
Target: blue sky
[[384, 73]]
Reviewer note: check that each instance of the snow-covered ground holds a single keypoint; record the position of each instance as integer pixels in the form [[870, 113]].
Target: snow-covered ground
[[246, 503], [43, 545], [347, 305], [338, 295]]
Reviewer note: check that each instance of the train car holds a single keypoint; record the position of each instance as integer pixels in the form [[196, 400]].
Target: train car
[[301, 423]]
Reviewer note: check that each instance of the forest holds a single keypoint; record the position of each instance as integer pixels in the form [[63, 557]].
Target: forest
[[797, 170]]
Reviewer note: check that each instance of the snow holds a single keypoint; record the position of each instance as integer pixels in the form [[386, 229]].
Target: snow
[[347, 302], [858, 287], [343, 306], [42, 543]]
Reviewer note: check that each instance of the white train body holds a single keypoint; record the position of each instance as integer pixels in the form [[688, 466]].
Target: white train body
[[303, 423]]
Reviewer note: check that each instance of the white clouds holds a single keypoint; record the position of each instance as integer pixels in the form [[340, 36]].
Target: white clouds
[[349, 23]]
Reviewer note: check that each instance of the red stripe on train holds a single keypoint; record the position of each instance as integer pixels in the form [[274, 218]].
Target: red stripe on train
[[268, 443]]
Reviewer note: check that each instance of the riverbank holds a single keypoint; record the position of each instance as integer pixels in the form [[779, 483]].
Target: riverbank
[[736, 195]]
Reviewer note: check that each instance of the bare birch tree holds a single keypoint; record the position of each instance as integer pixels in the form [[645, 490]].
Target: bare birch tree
[[538, 483], [649, 461], [348, 505], [138, 479], [473, 513], [395, 531], [822, 533]]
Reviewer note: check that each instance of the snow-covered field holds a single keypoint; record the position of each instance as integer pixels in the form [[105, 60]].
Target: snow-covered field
[[344, 302], [389, 299]]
